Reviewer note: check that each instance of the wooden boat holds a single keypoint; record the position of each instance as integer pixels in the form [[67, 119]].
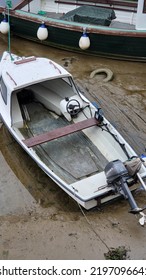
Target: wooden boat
[[107, 28], [66, 134]]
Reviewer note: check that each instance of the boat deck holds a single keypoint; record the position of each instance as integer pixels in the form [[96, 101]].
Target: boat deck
[[72, 157], [122, 25], [114, 23]]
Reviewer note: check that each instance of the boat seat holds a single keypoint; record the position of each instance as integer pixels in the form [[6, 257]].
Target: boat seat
[[47, 97], [60, 132], [17, 119]]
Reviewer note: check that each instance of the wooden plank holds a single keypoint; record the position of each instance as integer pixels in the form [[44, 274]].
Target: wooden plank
[[59, 132]]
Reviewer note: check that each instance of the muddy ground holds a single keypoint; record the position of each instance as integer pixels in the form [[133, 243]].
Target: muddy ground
[[37, 219]]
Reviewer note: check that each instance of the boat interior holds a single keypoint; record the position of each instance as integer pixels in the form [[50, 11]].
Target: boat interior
[[112, 13], [124, 19], [79, 153]]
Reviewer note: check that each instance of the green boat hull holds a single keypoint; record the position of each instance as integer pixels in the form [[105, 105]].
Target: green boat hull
[[104, 44]]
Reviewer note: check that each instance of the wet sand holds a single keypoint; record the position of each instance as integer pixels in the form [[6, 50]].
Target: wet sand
[[37, 219]]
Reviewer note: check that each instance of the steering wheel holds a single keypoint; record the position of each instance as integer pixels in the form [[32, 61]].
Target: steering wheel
[[73, 107]]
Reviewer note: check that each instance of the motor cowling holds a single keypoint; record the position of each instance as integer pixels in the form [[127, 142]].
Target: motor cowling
[[114, 170]]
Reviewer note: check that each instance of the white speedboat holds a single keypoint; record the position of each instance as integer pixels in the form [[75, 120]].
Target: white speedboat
[[66, 134]]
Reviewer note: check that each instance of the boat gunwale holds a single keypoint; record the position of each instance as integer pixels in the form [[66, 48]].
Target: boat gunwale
[[75, 26]]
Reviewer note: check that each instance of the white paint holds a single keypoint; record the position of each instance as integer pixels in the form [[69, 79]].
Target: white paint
[[34, 7], [127, 17], [51, 6], [141, 17]]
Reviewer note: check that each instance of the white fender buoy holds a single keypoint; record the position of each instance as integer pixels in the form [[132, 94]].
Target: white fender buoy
[[84, 42], [107, 71], [42, 32], [4, 26]]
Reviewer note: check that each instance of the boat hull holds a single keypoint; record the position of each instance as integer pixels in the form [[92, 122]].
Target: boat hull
[[106, 196], [104, 41]]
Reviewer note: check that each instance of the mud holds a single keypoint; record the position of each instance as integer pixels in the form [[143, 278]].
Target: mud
[[37, 219]]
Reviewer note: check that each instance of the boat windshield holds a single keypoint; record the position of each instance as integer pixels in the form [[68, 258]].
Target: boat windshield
[[3, 90], [73, 85]]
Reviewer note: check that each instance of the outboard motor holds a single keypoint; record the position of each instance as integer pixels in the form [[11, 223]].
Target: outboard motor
[[117, 175]]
